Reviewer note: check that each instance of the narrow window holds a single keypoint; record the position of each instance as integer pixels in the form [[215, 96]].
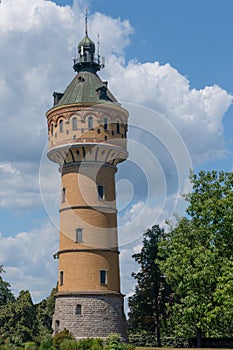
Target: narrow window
[[74, 123], [105, 124], [61, 125], [57, 325], [79, 235], [52, 129], [103, 277], [100, 189], [118, 127], [90, 123], [78, 310], [125, 131], [61, 278], [63, 195]]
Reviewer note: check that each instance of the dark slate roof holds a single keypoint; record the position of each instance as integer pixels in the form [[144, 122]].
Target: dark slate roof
[[86, 87]]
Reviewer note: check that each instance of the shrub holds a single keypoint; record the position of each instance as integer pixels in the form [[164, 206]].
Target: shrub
[[97, 344], [30, 346], [85, 344], [113, 342], [60, 337], [46, 343], [69, 344]]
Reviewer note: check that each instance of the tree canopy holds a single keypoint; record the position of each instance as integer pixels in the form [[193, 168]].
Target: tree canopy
[[147, 305], [196, 257]]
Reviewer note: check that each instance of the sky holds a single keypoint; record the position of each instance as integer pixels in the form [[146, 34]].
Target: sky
[[170, 64]]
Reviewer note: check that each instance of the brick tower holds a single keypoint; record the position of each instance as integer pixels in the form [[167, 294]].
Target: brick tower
[[87, 138]]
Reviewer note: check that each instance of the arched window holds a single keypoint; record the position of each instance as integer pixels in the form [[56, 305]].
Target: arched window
[[61, 124], [118, 127], [105, 123], [74, 123], [90, 123], [52, 129]]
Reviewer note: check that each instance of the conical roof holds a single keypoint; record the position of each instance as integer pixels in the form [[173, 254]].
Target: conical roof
[[86, 87]]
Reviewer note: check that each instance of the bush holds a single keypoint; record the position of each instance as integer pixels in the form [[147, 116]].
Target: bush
[[46, 343], [69, 344], [60, 337], [97, 344], [85, 344], [30, 346], [113, 342]]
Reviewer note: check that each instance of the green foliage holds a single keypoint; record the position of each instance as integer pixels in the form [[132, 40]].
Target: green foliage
[[113, 342], [85, 344], [18, 322], [60, 337], [46, 343], [30, 346], [196, 257], [69, 344], [5, 292], [97, 344], [147, 305], [44, 312]]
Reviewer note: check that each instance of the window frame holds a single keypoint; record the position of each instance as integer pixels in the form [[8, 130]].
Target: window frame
[[61, 125], [103, 277], [74, 123], [101, 191], [61, 278], [90, 122], [79, 235], [105, 123]]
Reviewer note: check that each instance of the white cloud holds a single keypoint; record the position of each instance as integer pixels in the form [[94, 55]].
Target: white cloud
[[28, 260], [197, 114]]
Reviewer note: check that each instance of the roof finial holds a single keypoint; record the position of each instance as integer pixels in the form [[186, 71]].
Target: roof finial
[[86, 13]]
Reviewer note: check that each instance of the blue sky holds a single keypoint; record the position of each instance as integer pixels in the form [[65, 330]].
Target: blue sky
[[163, 57]]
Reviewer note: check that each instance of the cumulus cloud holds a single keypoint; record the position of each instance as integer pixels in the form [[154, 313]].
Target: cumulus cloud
[[37, 44], [196, 114], [28, 260]]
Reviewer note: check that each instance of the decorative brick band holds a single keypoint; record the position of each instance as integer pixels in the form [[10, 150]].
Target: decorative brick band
[[94, 207]]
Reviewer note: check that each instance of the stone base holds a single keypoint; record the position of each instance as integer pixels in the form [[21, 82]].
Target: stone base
[[90, 315]]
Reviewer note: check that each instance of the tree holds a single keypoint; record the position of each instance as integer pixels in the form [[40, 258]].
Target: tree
[[196, 257], [18, 321], [147, 305], [45, 310], [5, 292]]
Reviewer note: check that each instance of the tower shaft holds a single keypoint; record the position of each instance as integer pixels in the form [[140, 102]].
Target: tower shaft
[[87, 139]]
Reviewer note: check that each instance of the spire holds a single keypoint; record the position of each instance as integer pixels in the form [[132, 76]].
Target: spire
[[87, 60], [86, 13]]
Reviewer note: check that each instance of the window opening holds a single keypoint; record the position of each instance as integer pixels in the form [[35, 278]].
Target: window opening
[[103, 277], [61, 278], [78, 310], [118, 128], [79, 235], [61, 125], [100, 189], [90, 123], [63, 194], [74, 123], [105, 124]]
